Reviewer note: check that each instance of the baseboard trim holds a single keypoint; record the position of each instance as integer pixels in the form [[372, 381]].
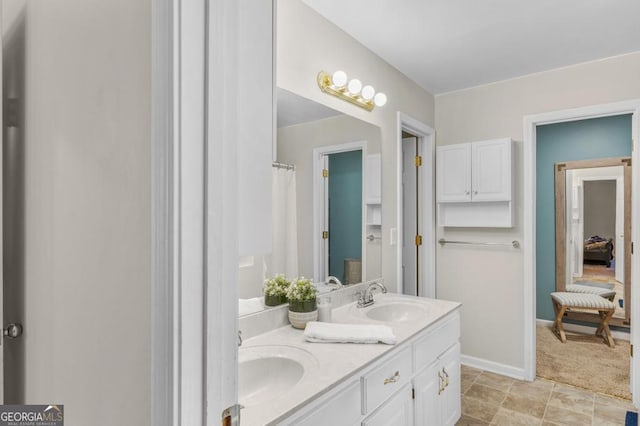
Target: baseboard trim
[[493, 367], [584, 329]]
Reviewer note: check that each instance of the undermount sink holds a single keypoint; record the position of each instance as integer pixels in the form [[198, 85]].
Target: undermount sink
[[268, 372], [395, 312]]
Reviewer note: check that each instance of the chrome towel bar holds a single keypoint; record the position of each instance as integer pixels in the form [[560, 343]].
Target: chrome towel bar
[[514, 243]]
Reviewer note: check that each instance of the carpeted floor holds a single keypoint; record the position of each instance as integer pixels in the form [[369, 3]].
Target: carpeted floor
[[584, 361]]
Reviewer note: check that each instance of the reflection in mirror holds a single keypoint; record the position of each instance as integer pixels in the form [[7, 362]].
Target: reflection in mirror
[[595, 196], [325, 223]]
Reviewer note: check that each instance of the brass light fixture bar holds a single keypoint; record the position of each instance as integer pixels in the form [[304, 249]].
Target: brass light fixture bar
[[351, 91]]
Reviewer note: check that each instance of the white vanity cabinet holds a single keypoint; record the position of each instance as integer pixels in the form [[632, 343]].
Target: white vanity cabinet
[[415, 383], [475, 184]]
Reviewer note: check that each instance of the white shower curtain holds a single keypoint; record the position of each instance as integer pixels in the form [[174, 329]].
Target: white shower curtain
[[284, 255]]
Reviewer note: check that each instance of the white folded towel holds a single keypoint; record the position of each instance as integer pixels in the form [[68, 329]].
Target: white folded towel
[[249, 306], [326, 332]]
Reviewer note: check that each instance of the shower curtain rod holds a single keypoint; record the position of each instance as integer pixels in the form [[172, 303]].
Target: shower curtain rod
[[283, 166]]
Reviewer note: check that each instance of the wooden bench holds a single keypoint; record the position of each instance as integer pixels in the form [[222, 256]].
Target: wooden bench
[[563, 301]]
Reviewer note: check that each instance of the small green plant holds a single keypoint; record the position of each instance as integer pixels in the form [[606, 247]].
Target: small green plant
[[301, 289], [276, 286]]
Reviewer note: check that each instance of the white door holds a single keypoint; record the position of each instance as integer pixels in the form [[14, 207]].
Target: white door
[[450, 362], [619, 241], [409, 217], [324, 265]]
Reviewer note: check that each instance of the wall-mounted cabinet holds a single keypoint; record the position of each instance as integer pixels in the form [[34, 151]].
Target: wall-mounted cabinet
[[475, 184], [373, 189]]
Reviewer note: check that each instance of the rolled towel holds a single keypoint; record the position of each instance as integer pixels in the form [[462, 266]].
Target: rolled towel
[[325, 332]]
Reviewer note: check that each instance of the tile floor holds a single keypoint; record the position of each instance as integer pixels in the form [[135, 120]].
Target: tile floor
[[491, 399]]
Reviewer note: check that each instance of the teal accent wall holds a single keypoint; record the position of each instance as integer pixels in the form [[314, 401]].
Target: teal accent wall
[[576, 140], [345, 210]]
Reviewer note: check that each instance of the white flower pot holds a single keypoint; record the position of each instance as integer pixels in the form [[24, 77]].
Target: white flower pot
[[300, 319]]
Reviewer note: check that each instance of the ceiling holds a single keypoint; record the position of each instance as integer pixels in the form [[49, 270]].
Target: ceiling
[[446, 45], [293, 109]]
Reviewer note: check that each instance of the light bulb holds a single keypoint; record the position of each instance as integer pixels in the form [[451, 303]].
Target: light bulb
[[367, 93], [354, 86], [380, 99], [339, 78]]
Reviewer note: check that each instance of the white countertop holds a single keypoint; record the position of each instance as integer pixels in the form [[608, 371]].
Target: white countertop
[[335, 361]]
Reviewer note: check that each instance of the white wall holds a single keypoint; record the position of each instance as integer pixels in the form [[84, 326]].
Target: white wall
[[489, 282], [306, 44], [295, 146], [83, 170]]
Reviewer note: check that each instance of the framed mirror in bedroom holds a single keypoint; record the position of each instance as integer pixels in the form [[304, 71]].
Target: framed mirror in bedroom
[[593, 232]]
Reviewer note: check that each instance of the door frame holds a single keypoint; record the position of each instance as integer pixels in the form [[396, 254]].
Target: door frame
[[318, 201], [426, 146], [193, 209], [530, 122]]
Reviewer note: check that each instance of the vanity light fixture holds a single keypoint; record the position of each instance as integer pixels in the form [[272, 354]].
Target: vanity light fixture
[[351, 91]]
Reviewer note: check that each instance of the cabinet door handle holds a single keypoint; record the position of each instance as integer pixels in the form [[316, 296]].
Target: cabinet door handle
[[446, 377], [475, 192], [392, 379], [441, 385], [466, 192]]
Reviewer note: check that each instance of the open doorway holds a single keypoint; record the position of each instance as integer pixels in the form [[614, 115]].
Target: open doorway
[[339, 234], [590, 142]]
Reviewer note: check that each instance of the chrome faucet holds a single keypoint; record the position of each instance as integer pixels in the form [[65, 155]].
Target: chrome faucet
[[332, 279], [367, 298]]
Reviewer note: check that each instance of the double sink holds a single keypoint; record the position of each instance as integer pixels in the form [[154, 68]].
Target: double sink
[[269, 372]]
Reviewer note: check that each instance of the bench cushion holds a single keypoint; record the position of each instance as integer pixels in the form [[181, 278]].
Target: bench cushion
[[587, 289], [581, 300]]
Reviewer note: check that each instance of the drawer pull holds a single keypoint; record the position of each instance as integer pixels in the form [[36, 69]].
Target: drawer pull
[[446, 378], [392, 379], [441, 385]]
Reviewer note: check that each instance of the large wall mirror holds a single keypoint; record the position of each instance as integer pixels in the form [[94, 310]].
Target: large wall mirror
[[593, 230], [326, 200]]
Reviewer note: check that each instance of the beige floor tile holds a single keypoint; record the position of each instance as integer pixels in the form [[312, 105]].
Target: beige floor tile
[[495, 381], [485, 393], [562, 417], [465, 369], [612, 400], [525, 404], [610, 411], [573, 399], [465, 384], [538, 390], [505, 417], [478, 409], [470, 421]]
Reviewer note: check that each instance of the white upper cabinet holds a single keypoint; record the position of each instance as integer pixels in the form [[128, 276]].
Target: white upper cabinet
[[453, 166], [475, 184], [491, 170]]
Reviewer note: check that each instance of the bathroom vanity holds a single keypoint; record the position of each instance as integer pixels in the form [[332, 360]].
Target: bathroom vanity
[[285, 380]]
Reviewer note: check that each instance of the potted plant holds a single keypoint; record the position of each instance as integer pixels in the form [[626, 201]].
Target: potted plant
[[302, 302], [275, 290]]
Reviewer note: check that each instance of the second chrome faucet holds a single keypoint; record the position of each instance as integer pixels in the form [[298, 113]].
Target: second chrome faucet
[[366, 299]]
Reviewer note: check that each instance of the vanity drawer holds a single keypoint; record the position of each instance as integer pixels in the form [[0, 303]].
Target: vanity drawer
[[436, 341], [381, 382]]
